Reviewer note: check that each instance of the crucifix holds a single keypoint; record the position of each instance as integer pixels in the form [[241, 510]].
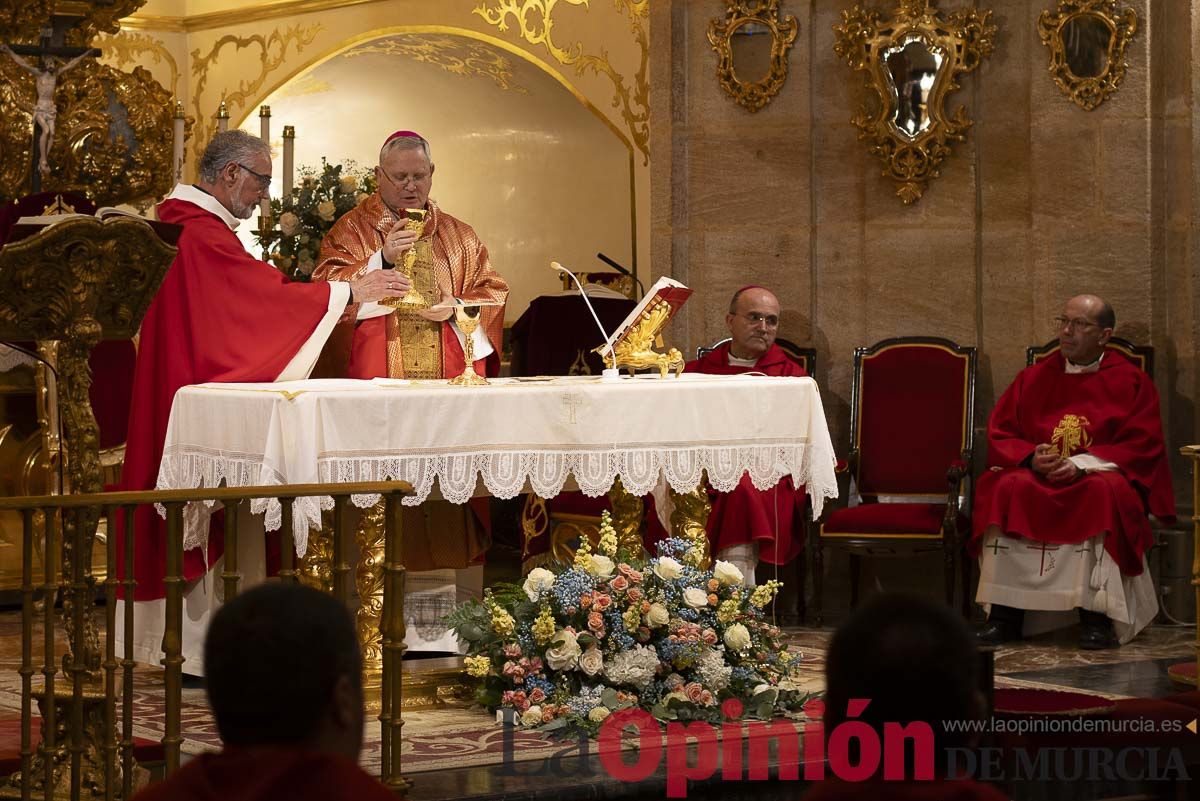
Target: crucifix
[[53, 58]]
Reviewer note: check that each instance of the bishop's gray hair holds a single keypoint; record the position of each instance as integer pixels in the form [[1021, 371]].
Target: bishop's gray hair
[[406, 143], [229, 147]]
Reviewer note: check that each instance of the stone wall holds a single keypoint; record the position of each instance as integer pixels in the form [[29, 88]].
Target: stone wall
[[1042, 201]]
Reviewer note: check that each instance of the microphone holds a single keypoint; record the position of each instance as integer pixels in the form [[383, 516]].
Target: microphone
[[621, 270], [609, 374]]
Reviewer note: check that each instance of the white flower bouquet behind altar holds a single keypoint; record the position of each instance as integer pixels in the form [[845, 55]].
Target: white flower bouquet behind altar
[[303, 219], [616, 630]]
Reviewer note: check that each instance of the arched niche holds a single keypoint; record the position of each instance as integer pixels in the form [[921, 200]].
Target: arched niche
[[521, 155]]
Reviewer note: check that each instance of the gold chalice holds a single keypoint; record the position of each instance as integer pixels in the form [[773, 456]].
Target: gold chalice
[[466, 317], [413, 299]]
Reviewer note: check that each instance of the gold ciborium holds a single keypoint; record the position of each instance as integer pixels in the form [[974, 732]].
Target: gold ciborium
[[413, 299], [466, 317]]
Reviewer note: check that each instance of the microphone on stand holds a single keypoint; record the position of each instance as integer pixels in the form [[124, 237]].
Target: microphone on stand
[[609, 374], [621, 270]]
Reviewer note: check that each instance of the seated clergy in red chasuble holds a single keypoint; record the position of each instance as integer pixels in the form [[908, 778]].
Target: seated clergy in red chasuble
[[749, 525], [1077, 462]]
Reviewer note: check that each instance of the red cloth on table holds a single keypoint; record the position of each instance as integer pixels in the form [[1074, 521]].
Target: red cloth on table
[[1123, 426], [259, 774], [220, 315], [549, 337], [774, 517]]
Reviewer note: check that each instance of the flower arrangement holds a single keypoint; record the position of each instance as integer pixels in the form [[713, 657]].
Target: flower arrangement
[[303, 219], [615, 630]]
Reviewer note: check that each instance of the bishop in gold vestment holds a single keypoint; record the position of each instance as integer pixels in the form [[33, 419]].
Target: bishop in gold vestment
[[417, 343]]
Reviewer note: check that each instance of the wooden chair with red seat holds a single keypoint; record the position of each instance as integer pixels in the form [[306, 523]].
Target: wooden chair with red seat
[[911, 433]]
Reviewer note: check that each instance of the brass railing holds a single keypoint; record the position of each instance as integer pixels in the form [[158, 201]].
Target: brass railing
[[79, 755]]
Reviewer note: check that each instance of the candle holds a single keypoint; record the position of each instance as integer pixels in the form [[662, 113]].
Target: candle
[[264, 120], [178, 141], [222, 118], [289, 156]]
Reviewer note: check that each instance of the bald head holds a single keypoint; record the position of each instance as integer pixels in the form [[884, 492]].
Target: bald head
[[753, 322], [1084, 328]]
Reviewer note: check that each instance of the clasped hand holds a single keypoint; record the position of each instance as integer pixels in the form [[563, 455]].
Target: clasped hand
[[397, 240], [1047, 463]]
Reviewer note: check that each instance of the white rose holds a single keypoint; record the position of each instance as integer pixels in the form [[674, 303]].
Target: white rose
[[667, 568], [348, 184], [737, 637], [599, 713], [695, 597], [539, 580], [289, 224], [564, 651], [326, 209], [601, 566], [657, 616], [727, 573], [532, 716], [592, 661]]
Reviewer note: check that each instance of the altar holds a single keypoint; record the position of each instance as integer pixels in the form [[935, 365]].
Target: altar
[[536, 435]]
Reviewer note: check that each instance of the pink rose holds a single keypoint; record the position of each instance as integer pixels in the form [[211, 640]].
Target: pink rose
[[512, 650], [601, 601], [709, 636], [619, 584], [595, 621], [547, 714], [634, 595], [537, 695], [694, 692]]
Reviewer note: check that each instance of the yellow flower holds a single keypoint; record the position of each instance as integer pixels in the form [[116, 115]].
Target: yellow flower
[[478, 666], [502, 622], [763, 594], [727, 612], [583, 555], [632, 619], [543, 627], [608, 535]]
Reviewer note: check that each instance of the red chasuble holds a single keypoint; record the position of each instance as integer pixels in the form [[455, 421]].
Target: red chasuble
[[1112, 414], [220, 315], [748, 514]]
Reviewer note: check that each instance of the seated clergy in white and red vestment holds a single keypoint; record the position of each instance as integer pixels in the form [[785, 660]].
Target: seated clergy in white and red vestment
[[451, 265], [220, 315], [1077, 463], [749, 525]]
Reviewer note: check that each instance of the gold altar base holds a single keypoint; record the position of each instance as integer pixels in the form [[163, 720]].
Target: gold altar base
[[426, 684], [92, 749]]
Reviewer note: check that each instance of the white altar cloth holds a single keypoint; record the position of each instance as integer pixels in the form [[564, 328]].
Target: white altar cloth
[[513, 433]]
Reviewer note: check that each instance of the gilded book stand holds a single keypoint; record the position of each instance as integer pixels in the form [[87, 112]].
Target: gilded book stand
[[67, 287]]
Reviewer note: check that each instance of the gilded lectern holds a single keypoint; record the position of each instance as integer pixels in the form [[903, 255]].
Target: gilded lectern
[[66, 287]]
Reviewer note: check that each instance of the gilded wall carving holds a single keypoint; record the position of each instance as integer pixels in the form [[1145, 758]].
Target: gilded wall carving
[[273, 51], [113, 133], [127, 48], [23, 20], [535, 25], [451, 53]]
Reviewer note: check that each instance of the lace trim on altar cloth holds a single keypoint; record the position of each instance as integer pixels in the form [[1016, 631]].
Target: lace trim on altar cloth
[[505, 475], [11, 358]]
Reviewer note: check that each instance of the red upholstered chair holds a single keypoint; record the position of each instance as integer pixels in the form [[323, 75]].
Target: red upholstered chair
[[911, 433], [1141, 355]]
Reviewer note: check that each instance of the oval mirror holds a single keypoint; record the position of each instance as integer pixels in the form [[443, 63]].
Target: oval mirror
[[1086, 40], [751, 44], [912, 70]]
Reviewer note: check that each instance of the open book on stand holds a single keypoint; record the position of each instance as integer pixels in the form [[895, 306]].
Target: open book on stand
[[28, 226], [632, 343]]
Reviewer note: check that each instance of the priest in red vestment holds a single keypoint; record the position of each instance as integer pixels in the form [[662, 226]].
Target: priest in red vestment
[[1077, 462], [749, 525], [220, 315], [452, 264], [285, 687]]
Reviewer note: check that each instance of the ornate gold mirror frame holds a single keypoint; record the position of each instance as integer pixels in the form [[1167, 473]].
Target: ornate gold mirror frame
[[1087, 40], [752, 95], [912, 61]]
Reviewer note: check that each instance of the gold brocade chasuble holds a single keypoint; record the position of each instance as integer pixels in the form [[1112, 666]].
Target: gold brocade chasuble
[[451, 261]]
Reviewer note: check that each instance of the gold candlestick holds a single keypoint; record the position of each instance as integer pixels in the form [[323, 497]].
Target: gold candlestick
[[467, 318], [413, 299]]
